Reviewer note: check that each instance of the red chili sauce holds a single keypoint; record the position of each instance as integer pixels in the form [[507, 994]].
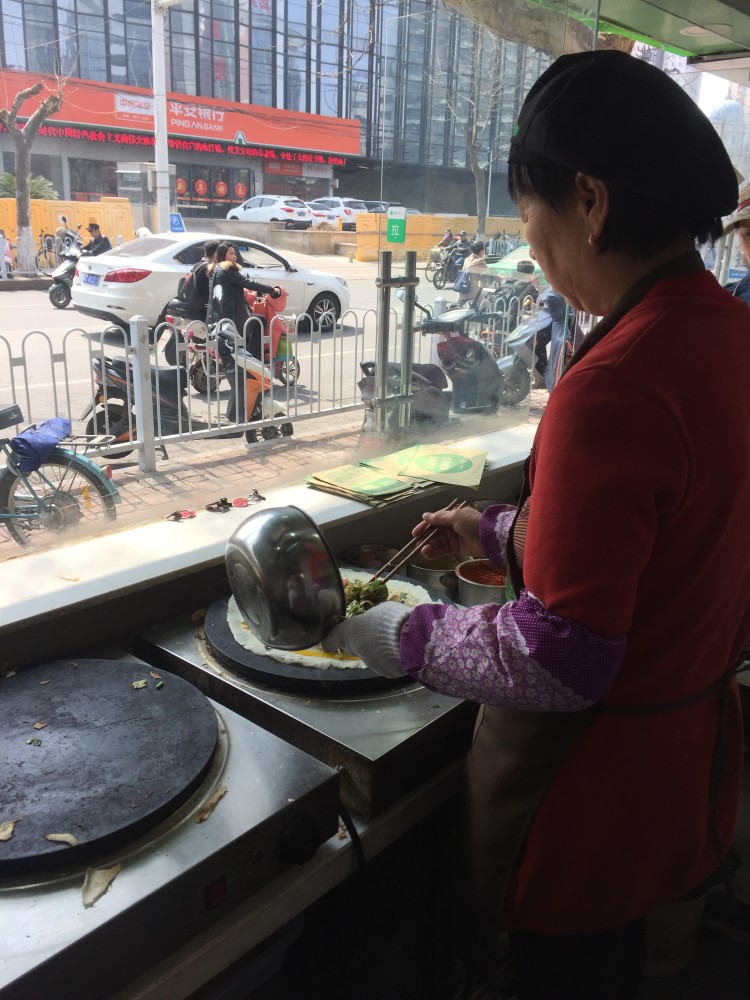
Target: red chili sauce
[[483, 573]]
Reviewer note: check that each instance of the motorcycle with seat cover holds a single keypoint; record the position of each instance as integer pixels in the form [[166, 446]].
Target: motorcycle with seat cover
[[481, 382]]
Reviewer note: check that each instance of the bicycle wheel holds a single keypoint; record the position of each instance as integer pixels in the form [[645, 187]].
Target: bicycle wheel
[[66, 494], [430, 270]]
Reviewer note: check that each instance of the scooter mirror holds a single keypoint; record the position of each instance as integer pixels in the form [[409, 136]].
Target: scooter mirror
[[400, 294]]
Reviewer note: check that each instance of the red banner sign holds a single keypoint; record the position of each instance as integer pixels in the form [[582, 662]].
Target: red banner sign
[[93, 110]]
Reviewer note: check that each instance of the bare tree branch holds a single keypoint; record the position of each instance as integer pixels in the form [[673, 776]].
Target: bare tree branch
[[549, 31], [23, 138]]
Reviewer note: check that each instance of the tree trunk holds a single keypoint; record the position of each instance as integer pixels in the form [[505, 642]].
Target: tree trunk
[[23, 137], [480, 183], [26, 256]]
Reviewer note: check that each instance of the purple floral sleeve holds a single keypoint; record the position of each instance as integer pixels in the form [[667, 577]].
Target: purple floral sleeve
[[494, 525], [517, 655]]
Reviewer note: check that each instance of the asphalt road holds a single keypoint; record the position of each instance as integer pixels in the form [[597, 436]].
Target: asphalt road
[[45, 353]]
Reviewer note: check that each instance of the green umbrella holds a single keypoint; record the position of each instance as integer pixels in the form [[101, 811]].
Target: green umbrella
[[506, 267]]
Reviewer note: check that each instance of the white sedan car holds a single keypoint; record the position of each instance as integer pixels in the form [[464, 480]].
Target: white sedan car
[[293, 212], [140, 277], [346, 209]]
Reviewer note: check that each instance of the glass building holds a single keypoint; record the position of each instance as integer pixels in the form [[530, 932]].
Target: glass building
[[429, 88]]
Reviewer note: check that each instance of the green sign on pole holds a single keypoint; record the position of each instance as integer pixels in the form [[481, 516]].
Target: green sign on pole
[[396, 225]]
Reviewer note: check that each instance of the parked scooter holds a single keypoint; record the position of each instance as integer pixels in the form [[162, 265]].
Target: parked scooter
[[481, 383], [430, 404], [465, 358], [531, 339], [65, 237], [249, 398], [278, 355], [62, 276], [205, 366]]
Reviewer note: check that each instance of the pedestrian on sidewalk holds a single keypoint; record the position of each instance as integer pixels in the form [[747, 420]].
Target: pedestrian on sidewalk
[[7, 252]]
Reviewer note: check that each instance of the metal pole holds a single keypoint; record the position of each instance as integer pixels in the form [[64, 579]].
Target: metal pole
[[142, 394], [381, 339], [407, 340], [161, 149]]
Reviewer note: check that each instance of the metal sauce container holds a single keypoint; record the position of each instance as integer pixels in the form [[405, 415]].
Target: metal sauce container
[[371, 556], [479, 582], [436, 574]]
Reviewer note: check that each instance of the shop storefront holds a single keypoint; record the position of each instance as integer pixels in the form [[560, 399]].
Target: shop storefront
[[223, 153]]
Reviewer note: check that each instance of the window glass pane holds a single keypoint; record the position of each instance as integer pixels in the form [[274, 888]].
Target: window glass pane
[[41, 46], [90, 179]]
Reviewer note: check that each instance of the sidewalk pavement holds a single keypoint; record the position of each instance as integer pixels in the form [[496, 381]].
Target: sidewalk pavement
[[190, 481], [228, 468]]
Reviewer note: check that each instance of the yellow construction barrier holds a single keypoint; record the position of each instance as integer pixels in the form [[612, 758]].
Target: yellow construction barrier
[[422, 232], [114, 216]]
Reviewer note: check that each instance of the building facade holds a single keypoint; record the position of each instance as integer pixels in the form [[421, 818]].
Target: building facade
[[369, 98]]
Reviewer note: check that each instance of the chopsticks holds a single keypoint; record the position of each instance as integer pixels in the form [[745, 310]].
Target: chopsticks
[[395, 563]]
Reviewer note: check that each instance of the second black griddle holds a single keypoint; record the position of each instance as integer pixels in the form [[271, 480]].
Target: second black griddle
[[108, 762]]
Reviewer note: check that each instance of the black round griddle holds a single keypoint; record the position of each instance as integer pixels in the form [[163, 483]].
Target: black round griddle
[[113, 761], [288, 676]]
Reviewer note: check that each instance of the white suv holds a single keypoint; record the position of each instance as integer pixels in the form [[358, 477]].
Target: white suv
[[346, 209], [273, 208]]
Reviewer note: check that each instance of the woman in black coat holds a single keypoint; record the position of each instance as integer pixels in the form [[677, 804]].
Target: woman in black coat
[[227, 295]]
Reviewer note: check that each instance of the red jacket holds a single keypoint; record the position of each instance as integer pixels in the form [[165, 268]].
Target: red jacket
[[636, 576], [641, 495]]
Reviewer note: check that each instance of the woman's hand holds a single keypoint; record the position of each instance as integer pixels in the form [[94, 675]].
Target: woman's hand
[[459, 534]]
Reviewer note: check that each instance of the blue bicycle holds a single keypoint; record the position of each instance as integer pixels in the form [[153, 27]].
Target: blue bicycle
[[68, 490]]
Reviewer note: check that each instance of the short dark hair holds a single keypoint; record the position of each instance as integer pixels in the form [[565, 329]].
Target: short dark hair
[[93, 225], [636, 224], [210, 247], [477, 246]]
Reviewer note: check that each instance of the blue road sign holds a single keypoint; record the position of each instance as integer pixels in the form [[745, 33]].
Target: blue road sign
[[176, 225]]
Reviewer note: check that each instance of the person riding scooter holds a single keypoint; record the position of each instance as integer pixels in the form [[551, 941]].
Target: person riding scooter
[[98, 243], [191, 301], [462, 248], [227, 300]]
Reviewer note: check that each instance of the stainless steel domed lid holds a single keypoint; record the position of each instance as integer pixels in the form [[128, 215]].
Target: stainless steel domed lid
[[284, 578]]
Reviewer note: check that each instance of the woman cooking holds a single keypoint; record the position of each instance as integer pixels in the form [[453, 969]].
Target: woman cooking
[[605, 773]]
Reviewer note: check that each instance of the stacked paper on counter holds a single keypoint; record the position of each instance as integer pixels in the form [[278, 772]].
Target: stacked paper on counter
[[384, 480], [437, 463], [359, 482]]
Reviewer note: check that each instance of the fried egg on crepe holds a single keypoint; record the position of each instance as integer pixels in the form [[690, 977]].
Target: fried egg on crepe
[[410, 594]]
